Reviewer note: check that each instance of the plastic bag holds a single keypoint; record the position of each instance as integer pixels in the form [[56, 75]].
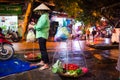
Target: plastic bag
[[62, 34], [57, 67], [31, 36]]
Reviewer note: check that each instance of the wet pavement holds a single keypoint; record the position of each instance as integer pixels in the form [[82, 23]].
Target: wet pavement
[[101, 63]]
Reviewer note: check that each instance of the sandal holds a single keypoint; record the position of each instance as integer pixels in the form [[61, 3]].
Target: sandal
[[41, 63], [44, 67], [38, 64], [33, 65]]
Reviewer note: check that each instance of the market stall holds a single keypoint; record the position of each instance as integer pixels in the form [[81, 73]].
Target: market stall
[[9, 20]]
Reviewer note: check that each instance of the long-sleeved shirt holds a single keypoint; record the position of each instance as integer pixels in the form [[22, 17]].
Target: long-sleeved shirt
[[42, 27]]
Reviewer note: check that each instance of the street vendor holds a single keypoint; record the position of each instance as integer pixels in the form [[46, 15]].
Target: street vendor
[[42, 32]]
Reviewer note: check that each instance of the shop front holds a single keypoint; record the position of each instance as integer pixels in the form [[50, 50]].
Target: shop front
[[9, 18]]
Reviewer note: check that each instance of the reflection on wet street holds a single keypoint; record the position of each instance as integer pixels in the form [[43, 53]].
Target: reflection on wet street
[[111, 54], [101, 63], [69, 57]]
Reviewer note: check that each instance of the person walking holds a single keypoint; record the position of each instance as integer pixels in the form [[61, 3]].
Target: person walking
[[94, 33], [42, 32], [88, 34]]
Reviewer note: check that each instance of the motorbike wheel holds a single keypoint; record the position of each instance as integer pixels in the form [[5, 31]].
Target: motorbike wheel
[[6, 52]]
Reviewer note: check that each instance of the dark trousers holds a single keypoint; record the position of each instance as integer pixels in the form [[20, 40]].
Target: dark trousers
[[43, 50]]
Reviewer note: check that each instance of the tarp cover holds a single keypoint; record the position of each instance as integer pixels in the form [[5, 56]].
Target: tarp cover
[[13, 66]]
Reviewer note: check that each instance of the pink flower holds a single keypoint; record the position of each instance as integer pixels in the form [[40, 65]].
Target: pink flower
[[84, 69]]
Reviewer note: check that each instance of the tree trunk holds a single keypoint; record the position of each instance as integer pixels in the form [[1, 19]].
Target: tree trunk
[[27, 17]]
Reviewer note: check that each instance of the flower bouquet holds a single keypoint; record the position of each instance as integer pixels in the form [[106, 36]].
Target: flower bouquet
[[68, 70]]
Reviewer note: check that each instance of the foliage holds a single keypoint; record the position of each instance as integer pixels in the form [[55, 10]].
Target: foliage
[[88, 11]]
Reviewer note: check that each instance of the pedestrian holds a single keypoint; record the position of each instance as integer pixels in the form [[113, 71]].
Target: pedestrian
[[88, 34], [1, 33], [42, 32], [94, 33]]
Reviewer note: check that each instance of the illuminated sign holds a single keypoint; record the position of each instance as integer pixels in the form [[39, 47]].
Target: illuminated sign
[[10, 9]]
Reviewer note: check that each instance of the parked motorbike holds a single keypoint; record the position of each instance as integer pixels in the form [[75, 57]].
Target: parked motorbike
[[13, 35], [6, 48]]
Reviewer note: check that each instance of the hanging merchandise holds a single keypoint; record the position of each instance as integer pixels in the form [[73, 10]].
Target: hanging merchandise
[[115, 35], [31, 55], [62, 34], [68, 62], [30, 36]]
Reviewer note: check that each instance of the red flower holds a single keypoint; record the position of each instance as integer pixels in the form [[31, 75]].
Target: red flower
[[71, 66]]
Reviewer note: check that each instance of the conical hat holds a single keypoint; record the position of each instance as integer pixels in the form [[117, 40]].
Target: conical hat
[[41, 7]]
